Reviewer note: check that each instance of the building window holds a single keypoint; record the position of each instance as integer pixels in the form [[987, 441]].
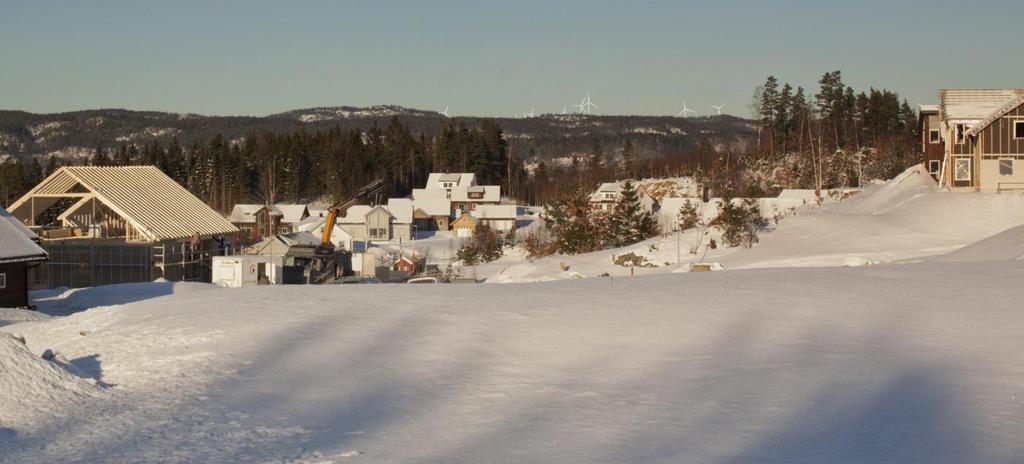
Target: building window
[[962, 170], [3, 280], [933, 166], [933, 136], [378, 233], [1006, 167], [960, 129], [1018, 129]]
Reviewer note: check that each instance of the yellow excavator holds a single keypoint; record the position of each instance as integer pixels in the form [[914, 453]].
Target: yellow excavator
[[325, 265]]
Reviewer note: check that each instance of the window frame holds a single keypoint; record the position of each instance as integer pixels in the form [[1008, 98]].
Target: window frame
[[1010, 163], [956, 172], [1016, 125], [959, 133], [934, 136], [3, 280], [937, 164]]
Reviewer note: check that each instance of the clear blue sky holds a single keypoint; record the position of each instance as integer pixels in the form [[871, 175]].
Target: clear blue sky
[[489, 58]]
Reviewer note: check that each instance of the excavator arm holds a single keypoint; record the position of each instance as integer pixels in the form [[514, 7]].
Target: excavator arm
[[368, 191]]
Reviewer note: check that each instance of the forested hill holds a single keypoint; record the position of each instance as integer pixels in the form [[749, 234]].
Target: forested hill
[[75, 135]]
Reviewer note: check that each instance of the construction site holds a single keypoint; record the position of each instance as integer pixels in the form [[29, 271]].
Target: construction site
[[106, 225]]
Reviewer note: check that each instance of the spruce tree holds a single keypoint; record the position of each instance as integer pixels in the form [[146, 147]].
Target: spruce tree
[[628, 168], [629, 222], [99, 157]]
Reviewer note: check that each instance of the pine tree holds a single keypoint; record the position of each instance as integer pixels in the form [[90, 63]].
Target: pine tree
[[629, 222]]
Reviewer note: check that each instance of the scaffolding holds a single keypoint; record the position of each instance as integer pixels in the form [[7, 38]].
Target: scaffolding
[[75, 265]]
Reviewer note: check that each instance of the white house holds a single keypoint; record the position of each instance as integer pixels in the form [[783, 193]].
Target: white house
[[459, 188], [500, 218]]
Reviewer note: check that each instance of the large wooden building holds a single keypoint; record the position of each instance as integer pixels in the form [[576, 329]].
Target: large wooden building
[[104, 225], [18, 253], [981, 134]]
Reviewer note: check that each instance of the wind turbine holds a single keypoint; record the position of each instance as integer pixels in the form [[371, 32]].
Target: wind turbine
[[586, 105], [564, 108], [718, 108], [445, 112], [531, 114], [685, 110]]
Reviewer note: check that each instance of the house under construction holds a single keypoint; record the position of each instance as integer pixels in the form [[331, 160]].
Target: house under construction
[[104, 225]]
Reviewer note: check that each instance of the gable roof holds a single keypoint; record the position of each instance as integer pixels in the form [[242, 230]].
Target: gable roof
[[401, 209], [355, 215], [967, 105], [461, 179], [995, 115], [434, 206], [465, 218], [154, 204], [290, 213], [17, 243], [242, 213]]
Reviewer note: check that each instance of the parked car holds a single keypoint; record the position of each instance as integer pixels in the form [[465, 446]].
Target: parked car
[[422, 280]]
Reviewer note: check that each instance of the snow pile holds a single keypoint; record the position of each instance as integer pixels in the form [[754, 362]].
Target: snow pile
[[32, 388]]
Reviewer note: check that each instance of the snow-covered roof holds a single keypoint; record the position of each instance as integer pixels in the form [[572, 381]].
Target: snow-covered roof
[[434, 206], [17, 243], [928, 108], [242, 213], [355, 215], [491, 193], [290, 213], [995, 115], [495, 212], [606, 188], [401, 209], [461, 179], [152, 203], [973, 105]]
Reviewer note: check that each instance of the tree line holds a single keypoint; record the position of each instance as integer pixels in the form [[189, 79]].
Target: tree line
[[328, 165]]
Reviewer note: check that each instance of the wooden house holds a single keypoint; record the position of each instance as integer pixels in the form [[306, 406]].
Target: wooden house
[[464, 226], [18, 253], [933, 148], [983, 135], [257, 222]]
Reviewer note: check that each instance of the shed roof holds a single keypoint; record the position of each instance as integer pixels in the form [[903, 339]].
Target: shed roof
[[154, 204], [17, 243]]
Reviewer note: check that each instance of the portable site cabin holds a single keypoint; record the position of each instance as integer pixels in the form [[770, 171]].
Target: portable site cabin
[[18, 252], [104, 225], [246, 270]]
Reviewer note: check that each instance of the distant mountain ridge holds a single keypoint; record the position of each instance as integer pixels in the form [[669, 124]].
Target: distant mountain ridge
[[75, 135]]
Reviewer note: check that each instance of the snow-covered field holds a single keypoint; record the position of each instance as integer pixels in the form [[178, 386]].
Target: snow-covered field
[[901, 363], [785, 357]]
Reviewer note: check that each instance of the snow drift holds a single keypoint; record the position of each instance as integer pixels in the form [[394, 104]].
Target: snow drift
[[32, 388]]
